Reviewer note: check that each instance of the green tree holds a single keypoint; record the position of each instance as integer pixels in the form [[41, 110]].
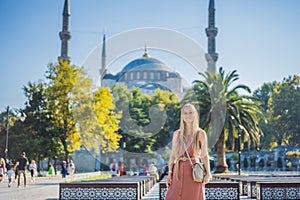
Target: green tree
[[40, 139], [264, 94], [226, 110], [284, 108], [168, 104], [134, 109]]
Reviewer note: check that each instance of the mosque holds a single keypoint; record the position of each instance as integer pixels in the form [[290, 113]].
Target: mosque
[[146, 73]]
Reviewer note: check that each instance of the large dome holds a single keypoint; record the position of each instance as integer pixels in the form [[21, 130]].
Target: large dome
[[146, 63]]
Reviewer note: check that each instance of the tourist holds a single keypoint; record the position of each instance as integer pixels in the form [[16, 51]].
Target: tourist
[[51, 170], [33, 170], [71, 168], [164, 171], [21, 164], [180, 182], [114, 168], [64, 169], [160, 164], [143, 170], [122, 169], [10, 173], [152, 170]]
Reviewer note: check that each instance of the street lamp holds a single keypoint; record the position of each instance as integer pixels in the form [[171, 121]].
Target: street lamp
[[239, 149], [6, 140]]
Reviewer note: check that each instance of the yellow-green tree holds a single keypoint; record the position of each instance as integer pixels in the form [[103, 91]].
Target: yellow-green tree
[[107, 120], [79, 116], [60, 99]]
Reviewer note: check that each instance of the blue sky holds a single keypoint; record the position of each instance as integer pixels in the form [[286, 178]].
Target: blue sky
[[258, 38]]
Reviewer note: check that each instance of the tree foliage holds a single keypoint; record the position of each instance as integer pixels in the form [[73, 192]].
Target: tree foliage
[[147, 122], [107, 120], [281, 107], [78, 115], [225, 111]]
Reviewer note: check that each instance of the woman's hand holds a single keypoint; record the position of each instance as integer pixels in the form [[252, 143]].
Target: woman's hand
[[169, 180], [207, 178]]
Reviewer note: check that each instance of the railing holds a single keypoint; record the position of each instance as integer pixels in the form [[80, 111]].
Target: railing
[[268, 187], [125, 187], [214, 190]]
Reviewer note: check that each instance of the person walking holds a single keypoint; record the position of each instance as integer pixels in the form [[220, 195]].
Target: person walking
[[114, 168], [190, 138], [122, 169], [2, 169], [64, 169], [10, 173], [152, 170], [33, 170], [21, 164], [71, 168], [51, 170], [160, 164]]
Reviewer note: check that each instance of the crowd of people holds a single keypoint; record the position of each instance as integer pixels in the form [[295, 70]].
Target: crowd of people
[[158, 168], [15, 171]]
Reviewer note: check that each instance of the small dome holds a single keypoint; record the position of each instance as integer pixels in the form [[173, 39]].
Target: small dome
[[109, 76], [154, 86]]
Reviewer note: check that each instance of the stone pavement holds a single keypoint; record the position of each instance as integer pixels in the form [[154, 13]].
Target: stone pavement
[[44, 188]]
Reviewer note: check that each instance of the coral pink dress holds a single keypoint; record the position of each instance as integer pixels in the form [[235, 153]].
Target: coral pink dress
[[185, 188]]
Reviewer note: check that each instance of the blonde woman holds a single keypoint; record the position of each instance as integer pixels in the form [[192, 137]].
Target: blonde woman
[[180, 183], [33, 170]]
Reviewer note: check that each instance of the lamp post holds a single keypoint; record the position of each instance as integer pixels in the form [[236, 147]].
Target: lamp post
[[6, 140], [239, 149]]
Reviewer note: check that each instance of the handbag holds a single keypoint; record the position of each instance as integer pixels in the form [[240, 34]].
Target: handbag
[[198, 169]]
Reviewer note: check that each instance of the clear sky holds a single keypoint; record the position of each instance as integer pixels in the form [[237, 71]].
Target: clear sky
[[258, 38]]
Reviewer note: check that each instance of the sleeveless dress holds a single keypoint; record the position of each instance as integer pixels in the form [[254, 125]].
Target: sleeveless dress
[[185, 188]]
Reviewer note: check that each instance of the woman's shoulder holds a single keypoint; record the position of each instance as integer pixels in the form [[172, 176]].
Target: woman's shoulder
[[201, 132], [176, 133]]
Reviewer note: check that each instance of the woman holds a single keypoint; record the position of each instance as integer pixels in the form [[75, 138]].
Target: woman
[[33, 170], [71, 168], [180, 183]]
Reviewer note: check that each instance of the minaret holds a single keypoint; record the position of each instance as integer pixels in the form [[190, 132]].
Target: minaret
[[211, 32], [65, 34], [103, 58]]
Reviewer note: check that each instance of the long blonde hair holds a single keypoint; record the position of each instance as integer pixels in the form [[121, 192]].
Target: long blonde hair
[[180, 139]]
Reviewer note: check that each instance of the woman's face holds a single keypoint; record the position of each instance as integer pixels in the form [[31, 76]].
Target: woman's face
[[188, 115]]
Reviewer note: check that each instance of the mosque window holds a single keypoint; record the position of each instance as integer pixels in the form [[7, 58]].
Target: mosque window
[[158, 75], [131, 76], [151, 75], [138, 75], [163, 76]]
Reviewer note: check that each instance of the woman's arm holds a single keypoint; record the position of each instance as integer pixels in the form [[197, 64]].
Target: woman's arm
[[172, 159], [172, 156]]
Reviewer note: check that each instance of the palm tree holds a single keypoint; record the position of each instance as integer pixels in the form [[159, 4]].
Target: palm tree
[[223, 110]]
